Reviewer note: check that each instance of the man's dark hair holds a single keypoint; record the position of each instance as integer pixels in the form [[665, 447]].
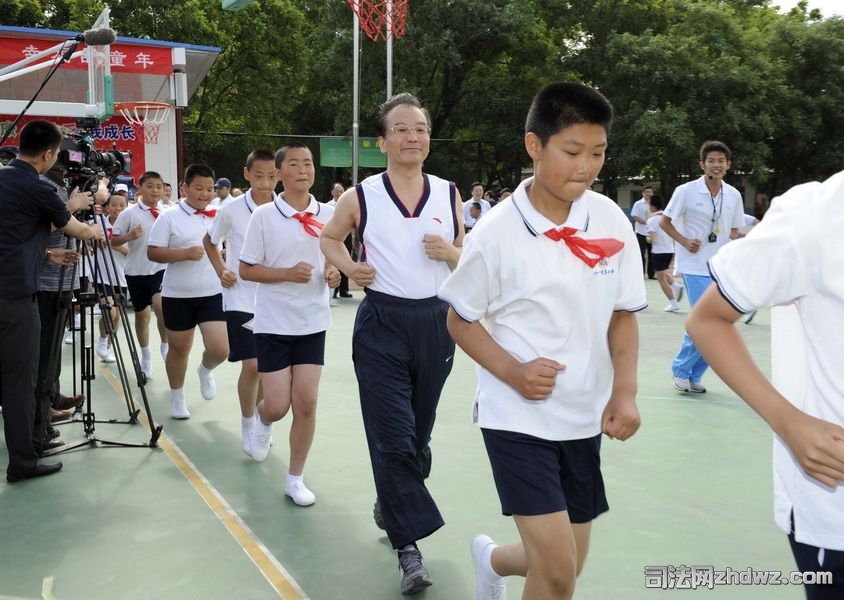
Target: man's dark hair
[[476, 205], [475, 184], [563, 104], [401, 99], [194, 171], [647, 187], [147, 175], [259, 154], [282, 152], [39, 136], [714, 146]]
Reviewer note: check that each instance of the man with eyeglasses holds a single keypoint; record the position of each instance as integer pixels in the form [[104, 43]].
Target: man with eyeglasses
[[702, 216], [410, 225]]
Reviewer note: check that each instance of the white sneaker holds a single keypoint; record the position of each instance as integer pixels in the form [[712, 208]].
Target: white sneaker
[[207, 385], [178, 409], [678, 291], [146, 366], [246, 438], [297, 492], [68, 338], [262, 436], [102, 348], [672, 307], [495, 590], [109, 356], [682, 385]]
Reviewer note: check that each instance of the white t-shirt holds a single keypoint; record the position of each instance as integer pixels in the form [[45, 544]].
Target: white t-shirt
[[230, 225], [276, 239], [468, 221], [137, 262], [791, 260], [110, 273], [662, 242], [181, 228], [640, 209], [692, 210], [162, 205], [392, 238], [539, 300]]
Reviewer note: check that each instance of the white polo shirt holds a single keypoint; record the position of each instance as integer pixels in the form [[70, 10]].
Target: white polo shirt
[[392, 237], [662, 242], [540, 300], [640, 209], [468, 221], [230, 225], [792, 260], [181, 228], [275, 239], [110, 273], [692, 210], [137, 262]]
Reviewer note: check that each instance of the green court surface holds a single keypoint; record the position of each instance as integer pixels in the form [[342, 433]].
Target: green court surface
[[196, 518]]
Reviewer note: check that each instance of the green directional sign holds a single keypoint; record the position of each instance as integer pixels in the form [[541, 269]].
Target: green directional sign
[[337, 152]]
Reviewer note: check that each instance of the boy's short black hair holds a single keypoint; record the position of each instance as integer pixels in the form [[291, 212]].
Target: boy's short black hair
[[565, 103], [656, 201], [647, 187], [112, 196], [476, 184], [476, 205], [194, 171], [714, 146], [404, 98], [147, 175], [39, 136], [282, 152], [259, 154]]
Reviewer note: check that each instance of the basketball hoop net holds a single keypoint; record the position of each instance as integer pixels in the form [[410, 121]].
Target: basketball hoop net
[[376, 15], [148, 115]]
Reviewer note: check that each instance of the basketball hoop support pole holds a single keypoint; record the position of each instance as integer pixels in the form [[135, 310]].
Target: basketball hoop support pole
[[355, 92], [388, 24]]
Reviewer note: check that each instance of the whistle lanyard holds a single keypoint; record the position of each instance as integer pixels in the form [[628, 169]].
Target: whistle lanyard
[[717, 216]]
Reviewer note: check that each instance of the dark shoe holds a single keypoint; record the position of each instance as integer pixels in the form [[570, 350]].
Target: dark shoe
[[52, 432], [40, 470], [42, 449], [377, 516], [336, 293], [414, 575], [68, 402], [346, 295], [60, 415]]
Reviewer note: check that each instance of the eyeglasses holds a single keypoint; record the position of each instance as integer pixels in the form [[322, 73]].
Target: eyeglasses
[[403, 131]]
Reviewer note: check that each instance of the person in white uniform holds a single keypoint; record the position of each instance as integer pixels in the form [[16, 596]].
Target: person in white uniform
[[791, 261], [191, 294], [410, 227]]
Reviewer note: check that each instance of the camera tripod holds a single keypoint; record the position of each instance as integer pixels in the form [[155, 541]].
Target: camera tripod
[[106, 289]]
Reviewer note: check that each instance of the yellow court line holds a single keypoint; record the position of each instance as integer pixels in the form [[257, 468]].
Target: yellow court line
[[267, 564]]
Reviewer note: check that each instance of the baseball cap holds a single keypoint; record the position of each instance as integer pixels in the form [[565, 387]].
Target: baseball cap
[[121, 187], [223, 182]]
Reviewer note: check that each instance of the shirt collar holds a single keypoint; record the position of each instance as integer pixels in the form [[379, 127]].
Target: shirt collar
[[537, 223], [288, 211]]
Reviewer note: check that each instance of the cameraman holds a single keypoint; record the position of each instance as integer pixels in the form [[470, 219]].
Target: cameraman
[[29, 207]]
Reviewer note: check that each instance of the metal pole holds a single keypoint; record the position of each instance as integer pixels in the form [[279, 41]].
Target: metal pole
[[355, 93], [389, 36]]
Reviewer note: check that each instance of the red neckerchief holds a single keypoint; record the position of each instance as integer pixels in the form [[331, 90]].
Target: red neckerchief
[[208, 213], [600, 248], [309, 223]]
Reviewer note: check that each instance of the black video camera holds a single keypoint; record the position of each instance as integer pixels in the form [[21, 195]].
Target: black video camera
[[83, 164]]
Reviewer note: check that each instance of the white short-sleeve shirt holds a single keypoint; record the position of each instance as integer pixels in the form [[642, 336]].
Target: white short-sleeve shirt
[[662, 242], [137, 262], [230, 226], [792, 260], [110, 272], [640, 209], [468, 221], [276, 239], [696, 214], [540, 300], [180, 227]]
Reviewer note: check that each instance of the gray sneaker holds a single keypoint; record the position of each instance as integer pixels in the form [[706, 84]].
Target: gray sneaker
[[682, 384], [378, 516], [414, 575], [696, 388]]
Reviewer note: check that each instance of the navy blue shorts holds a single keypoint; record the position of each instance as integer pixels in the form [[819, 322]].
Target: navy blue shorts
[[182, 314], [241, 340], [538, 477], [662, 261], [277, 352], [142, 288]]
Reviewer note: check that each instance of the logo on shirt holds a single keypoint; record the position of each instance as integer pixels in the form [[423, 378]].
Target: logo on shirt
[[603, 268]]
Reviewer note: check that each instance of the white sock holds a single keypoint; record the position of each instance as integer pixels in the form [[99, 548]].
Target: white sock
[[203, 372], [177, 394], [247, 422], [165, 347], [102, 341], [145, 353], [487, 572], [295, 479]]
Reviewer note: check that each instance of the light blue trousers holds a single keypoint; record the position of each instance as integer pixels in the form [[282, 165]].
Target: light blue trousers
[[688, 363]]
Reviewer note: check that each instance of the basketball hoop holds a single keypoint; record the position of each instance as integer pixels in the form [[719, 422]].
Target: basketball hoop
[[148, 115], [377, 15]]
